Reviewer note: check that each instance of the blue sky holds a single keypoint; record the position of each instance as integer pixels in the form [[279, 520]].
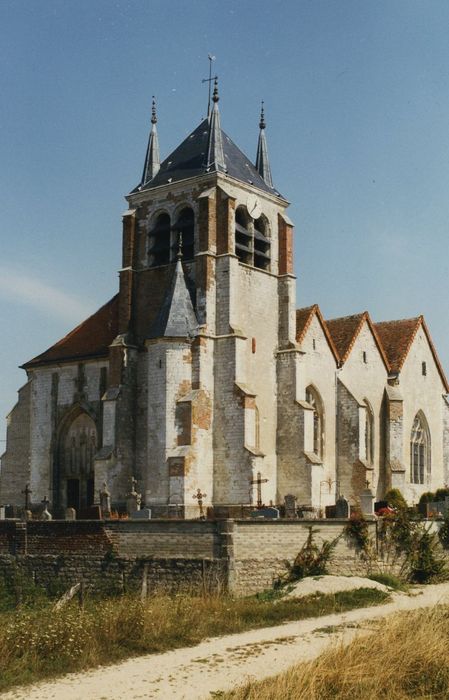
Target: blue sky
[[357, 106]]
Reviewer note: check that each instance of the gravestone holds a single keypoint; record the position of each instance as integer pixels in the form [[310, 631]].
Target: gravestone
[[290, 507], [133, 499], [90, 513], [267, 513], [330, 511], [46, 515], [142, 514], [70, 514], [341, 507], [2, 512], [105, 501], [367, 501]]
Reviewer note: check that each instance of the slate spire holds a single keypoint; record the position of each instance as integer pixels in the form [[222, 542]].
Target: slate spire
[[215, 154], [177, 317], [262, 162], [152, 158]]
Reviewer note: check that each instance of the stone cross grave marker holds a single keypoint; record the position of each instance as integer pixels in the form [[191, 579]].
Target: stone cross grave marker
[[46, 515]]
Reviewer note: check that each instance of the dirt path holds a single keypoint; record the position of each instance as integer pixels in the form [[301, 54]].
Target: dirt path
[[222, 663]]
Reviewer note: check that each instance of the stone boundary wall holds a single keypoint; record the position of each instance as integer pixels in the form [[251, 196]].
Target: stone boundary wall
[[261, 548], [244, 556]]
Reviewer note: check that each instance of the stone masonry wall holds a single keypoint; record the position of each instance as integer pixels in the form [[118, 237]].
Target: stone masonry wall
[[261, 548], [243, 555]]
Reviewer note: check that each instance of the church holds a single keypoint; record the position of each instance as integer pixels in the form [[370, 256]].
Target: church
[[202, 376]]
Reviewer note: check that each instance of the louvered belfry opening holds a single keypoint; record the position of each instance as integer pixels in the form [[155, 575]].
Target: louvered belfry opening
[[261, 244], [243, 237], [185, 225], [159, 243]]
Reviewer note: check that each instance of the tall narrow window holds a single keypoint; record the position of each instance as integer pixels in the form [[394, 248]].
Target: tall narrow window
[[185, 225], [243, 237], [159, 241], [313, 398], [261, 244], [419, 451], [369, 433]]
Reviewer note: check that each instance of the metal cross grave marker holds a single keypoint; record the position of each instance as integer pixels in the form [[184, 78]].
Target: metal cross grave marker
[[259, 481], [27, 491], [199, 496]]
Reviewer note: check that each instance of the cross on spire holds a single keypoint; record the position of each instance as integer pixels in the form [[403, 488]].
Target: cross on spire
[[152, 157], [262, 162]]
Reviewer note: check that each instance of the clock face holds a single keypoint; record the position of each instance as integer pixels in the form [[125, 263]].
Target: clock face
[[253, 206]]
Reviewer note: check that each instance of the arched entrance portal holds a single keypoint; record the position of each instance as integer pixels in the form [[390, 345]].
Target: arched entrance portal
[[76, 463]]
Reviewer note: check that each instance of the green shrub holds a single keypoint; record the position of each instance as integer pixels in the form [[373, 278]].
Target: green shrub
[[388, 580], [395, 499], [311, 560], [357, 530], [441, 494], [427, 497]]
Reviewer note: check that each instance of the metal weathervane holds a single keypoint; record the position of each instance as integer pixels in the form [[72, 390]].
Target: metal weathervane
[[209, 80]]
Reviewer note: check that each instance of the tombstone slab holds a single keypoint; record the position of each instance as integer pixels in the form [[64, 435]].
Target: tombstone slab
[[270, 513], [143, 514], [70, 514]]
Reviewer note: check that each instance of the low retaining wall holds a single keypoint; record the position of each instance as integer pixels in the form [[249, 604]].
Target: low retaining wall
[[244, 556]]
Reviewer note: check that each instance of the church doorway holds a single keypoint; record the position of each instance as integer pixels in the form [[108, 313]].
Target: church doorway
[[76, 463]]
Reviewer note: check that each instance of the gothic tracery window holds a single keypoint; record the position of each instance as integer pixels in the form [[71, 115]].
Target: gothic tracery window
[[313, 398], [419, 451]]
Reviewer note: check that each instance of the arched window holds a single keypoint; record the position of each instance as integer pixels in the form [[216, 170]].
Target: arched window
[[185, 225], [419, 451], [159, 241], [369, 433], [314, 399], [243, 236], [261, 244]]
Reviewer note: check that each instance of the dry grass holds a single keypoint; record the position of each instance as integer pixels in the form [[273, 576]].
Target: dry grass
[[407, 657], [40, 642]]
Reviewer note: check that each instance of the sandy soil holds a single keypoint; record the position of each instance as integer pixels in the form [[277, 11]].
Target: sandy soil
[[224, 662], [332, 584]]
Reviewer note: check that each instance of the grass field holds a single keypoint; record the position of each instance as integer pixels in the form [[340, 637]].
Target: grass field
[[406, 658], [38, 642]]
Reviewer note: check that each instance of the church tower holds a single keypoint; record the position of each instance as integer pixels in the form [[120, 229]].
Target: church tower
[[206, 301]]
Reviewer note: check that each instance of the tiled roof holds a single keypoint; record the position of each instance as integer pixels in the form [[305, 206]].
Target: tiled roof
[[304, 319], [397, 338], [344, 332], [90, 339]]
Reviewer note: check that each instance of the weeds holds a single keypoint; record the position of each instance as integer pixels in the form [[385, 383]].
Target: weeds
[[42, 642], [407, 658]]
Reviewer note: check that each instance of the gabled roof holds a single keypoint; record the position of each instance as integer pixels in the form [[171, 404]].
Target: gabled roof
[[176, 318], [345, 331], [304, 319], [189, 159], [397, 338], [91, 339]]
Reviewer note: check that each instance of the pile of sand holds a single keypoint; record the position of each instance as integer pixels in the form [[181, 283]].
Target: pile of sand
[[332, 584]]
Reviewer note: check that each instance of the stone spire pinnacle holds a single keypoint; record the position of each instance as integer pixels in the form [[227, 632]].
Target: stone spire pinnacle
[[262, 162], [177, 317], [215, 153], [152, 158]]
